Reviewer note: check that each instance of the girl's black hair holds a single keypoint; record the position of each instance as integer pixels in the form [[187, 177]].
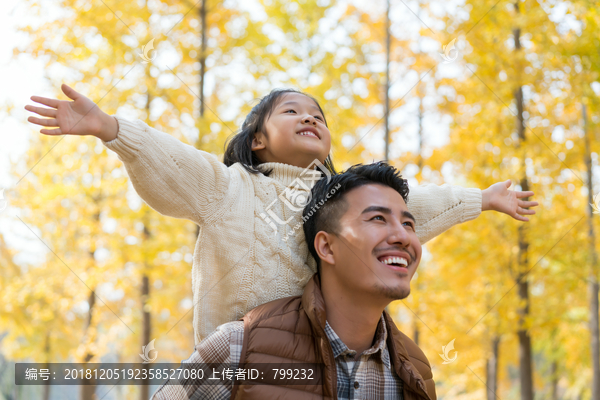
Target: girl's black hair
[[239, 146]]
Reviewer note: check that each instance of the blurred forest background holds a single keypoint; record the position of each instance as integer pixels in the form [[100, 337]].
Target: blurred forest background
[[462, 92]]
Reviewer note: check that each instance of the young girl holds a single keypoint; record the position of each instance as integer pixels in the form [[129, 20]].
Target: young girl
[[245, 206]]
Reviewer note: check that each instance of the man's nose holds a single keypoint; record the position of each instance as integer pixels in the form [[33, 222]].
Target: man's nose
[[399, 235]]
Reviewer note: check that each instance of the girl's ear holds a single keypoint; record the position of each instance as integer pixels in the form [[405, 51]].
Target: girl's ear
[[258, 143]]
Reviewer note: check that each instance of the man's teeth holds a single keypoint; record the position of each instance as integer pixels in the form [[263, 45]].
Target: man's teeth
[[395, 260]]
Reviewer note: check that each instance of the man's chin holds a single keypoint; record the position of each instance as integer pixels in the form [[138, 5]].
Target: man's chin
[[395, 293]]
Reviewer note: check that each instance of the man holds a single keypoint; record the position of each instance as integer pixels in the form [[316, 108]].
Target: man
[[358, 228]]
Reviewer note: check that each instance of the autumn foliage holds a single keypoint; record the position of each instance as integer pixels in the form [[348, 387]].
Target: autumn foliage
[[454, 119]]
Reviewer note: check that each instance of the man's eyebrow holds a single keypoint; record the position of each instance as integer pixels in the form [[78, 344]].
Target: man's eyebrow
[[407, 214], [386, 210], [296, 103]]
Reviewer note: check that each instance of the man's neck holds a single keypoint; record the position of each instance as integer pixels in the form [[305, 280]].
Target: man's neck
[[352, 318]]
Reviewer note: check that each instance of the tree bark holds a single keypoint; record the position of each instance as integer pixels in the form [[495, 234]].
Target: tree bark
[[145, 291], [593, 279], [202, 74], [420, 116], [46, 388], [491, 373], [146, 325], [387, 82], [88, 386], [525, 360], [554, 380], [202, 54]]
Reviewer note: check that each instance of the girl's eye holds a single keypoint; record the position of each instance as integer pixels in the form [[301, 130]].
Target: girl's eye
[[291, 111], [319, 117]]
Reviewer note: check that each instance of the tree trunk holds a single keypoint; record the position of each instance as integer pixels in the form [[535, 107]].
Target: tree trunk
[[420, 116], [202, 54], [593, 279], [202, 74], [387, 83], [145, 388], [88, 386], [554, 380], [491, 372], [525, 360], [145, 291], [415, 331], [46, 388]]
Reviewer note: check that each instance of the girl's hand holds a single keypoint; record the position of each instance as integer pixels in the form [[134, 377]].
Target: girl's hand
[[498, 198], [79, 117]]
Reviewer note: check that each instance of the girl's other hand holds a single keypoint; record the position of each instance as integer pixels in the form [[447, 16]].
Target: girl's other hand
[[78, 117], [498, 198]]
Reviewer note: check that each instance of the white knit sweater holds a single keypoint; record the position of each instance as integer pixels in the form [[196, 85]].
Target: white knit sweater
[[239, 262]]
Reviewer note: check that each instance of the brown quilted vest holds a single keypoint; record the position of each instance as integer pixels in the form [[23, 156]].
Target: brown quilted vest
[[292, 330]]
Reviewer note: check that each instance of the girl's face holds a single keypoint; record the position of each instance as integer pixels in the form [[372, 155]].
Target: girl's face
[[297, 134]]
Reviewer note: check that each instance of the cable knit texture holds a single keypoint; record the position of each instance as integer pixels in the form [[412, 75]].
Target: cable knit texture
[[240, 261]]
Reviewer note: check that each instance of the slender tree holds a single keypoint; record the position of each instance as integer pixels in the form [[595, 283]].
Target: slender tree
[[593, 287], [525, 356]]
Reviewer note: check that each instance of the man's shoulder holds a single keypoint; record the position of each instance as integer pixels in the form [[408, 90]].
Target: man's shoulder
[[223, 345], [417, 356], [224, 332], [274, 308]]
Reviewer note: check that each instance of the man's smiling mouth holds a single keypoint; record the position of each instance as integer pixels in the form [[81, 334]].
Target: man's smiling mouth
[[396, 262]]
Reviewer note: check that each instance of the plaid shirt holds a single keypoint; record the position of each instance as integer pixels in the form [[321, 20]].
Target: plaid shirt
[[371, 376]]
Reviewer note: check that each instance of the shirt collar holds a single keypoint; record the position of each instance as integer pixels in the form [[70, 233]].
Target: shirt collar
[[380, 346]]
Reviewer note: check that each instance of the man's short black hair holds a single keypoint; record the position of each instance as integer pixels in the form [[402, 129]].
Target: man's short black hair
[[327, 204]]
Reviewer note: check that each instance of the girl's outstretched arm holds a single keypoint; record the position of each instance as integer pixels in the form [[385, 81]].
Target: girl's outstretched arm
[[439, 208], [172, 177], [498, 198]]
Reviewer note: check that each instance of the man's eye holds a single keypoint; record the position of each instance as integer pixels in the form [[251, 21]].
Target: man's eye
[[410, 224], [378, 217]]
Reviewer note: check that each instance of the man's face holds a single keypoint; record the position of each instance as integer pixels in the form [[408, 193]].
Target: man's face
[[376, 250]]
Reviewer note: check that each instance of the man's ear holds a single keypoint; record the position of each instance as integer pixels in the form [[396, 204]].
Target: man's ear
[[323, 242], [258, 143]]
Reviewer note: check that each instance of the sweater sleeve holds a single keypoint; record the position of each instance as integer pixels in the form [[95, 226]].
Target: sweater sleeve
[[174, 178], [438, 208]]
